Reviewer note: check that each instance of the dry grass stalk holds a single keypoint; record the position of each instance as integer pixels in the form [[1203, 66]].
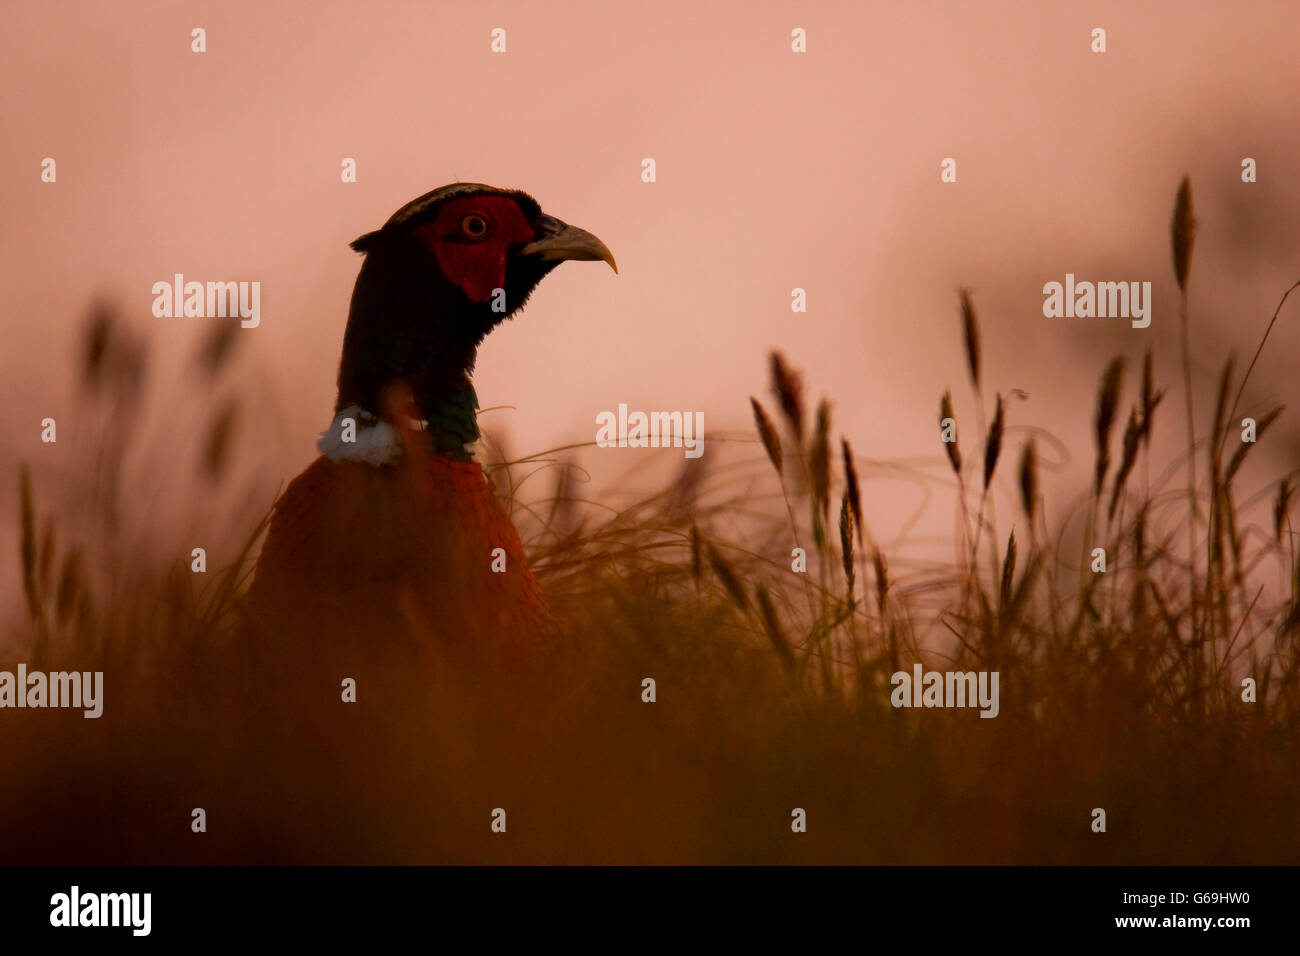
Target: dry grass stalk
[[27, 519], [1183, 229], [1151, 397], [730, 580], [696, 568], [1260, 348], [775, 632]]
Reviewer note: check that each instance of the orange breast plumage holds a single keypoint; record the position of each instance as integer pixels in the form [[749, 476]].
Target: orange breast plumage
[[416, 551]]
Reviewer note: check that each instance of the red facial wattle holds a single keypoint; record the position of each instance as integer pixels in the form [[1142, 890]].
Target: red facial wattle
[[477, 265]]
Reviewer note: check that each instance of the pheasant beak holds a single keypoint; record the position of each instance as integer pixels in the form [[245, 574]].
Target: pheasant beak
[[557, 240]]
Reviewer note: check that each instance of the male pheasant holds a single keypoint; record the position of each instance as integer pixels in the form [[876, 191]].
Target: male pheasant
[[393, 538]]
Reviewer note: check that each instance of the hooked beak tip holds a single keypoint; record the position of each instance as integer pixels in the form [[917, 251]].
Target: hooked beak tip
[[561, 242]]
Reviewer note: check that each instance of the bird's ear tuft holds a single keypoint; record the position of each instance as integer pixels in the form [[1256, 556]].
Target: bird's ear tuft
[[367, 242]]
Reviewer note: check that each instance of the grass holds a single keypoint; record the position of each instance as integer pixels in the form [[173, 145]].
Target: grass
[[1120, 690]]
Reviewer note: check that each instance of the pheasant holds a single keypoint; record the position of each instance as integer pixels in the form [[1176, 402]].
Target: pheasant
[[393, 536]]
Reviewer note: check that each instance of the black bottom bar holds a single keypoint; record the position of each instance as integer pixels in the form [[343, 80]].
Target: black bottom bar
[[494, 905]]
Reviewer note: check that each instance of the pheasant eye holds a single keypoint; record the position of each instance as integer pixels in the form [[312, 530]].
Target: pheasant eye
[[474, 226]]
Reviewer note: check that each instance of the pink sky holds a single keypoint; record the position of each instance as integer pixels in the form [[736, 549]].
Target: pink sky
[[775, 171]]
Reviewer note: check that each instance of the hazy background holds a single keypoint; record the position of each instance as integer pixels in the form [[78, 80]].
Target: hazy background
[[775, 171]]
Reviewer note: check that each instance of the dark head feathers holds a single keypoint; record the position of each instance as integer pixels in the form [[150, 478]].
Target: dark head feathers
[[425, 208], [365, 243]]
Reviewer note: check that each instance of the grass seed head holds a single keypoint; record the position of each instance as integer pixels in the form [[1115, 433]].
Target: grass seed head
[[216, 447], [819, 467], [1183, 233], [1029, 480], [1132, 439], [851, 486], [1107, 403], [1239, 455], [788, 387], [217, 348], [846, 538], [970, 336], [950, 447], [1008, 569], [993, 443], [882, 579], [767, 434], [1281, 508]]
